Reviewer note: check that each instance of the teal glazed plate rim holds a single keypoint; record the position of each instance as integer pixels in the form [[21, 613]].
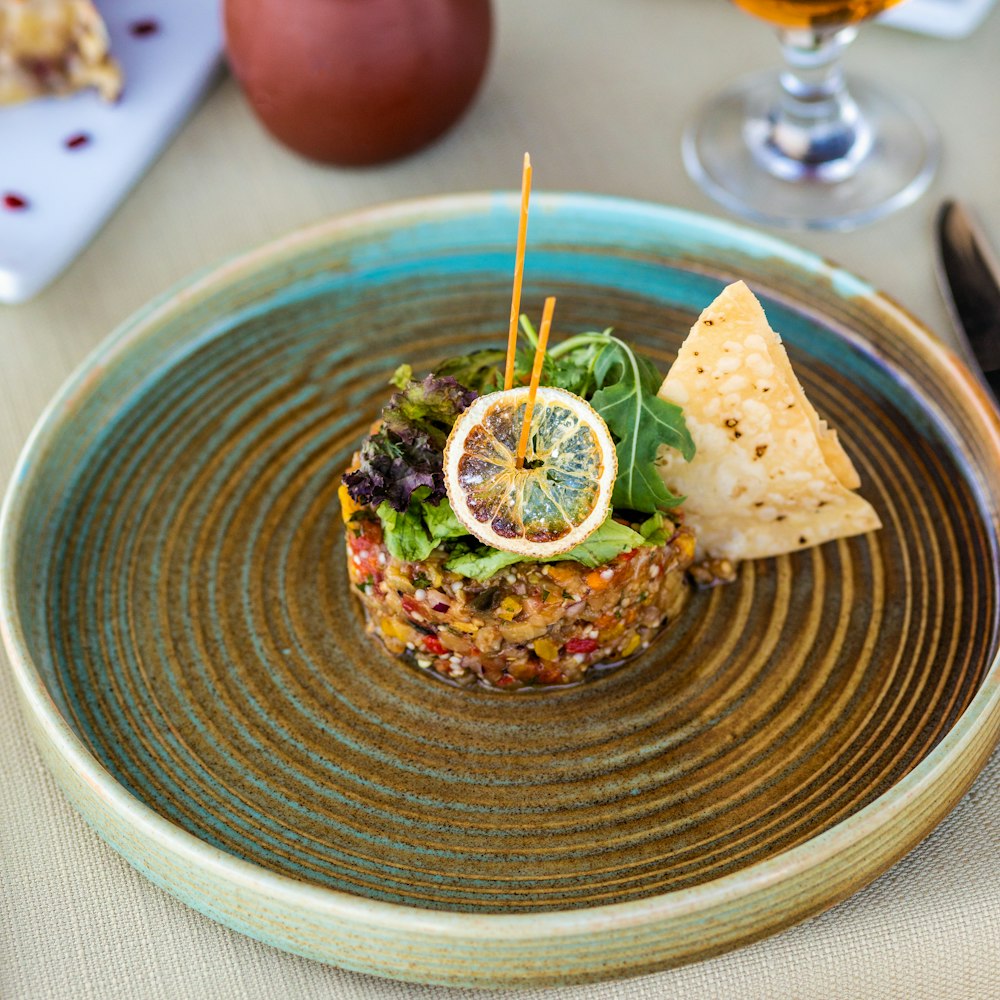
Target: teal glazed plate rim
[[176, 611]]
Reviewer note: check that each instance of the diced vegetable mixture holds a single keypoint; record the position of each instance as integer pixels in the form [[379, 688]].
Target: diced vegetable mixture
[[530, 623]]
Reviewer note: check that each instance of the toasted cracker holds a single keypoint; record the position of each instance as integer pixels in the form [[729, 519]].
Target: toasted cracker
[[769, 476]]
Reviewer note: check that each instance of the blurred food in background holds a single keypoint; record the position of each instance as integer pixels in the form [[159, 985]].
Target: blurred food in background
[[54, 47]]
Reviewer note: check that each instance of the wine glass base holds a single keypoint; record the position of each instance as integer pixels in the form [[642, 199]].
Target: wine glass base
[[894, 172]]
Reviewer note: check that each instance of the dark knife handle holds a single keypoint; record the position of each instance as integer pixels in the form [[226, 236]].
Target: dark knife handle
[[970, 283], [993, 381]]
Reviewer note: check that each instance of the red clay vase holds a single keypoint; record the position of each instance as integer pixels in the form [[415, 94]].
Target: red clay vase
[[357, 82]]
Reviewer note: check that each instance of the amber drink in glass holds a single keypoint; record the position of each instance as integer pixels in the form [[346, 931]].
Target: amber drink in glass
[[803, 148]]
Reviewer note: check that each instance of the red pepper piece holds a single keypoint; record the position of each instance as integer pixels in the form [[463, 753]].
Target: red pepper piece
[[433, 645]]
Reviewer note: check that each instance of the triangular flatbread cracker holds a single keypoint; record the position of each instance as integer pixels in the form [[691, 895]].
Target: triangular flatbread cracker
[[768, 476]]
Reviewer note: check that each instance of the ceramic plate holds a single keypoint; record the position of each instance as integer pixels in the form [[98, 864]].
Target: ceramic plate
[[71, 160], [195, 671]]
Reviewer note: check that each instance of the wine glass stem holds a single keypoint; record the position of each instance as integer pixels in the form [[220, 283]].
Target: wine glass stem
[[814, 130]]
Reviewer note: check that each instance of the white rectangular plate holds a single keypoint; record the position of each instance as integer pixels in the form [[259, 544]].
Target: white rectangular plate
[[69, 192]]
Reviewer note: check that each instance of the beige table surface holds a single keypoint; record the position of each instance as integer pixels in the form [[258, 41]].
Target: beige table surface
[[598, 91]]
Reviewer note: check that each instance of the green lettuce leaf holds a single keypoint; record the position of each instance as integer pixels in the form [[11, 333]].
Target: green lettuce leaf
[[441, 521], [481, 562], [414, 534], [657, 530], [609, 540], [402, 377], [406, 535]]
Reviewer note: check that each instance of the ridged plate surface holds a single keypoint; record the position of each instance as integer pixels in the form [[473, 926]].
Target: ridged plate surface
[[177, 608]]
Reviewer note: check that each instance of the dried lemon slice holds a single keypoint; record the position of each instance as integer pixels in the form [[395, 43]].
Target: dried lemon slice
[[562, 493]]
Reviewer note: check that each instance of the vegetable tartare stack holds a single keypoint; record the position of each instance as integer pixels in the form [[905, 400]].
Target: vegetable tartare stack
[[485, 569]]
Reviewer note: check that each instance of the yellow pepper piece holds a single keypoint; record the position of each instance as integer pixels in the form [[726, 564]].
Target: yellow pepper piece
[[509, 608], [562, 574], [395, 629], [613, 632], [685, 545], [632, 645], [347, 505], [546, 649]]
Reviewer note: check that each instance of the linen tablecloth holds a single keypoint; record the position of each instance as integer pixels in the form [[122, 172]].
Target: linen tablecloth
[[599, 93]]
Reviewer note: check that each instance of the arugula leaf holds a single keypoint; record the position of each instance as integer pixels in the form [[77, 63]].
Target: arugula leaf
[[571, 370], [622, 386], [627, 400]]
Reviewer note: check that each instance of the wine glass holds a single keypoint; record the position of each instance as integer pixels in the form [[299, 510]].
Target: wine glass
[[797, 148]]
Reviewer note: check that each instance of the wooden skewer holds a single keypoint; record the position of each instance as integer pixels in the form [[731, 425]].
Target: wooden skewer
[[515, 302], [536, 374]]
